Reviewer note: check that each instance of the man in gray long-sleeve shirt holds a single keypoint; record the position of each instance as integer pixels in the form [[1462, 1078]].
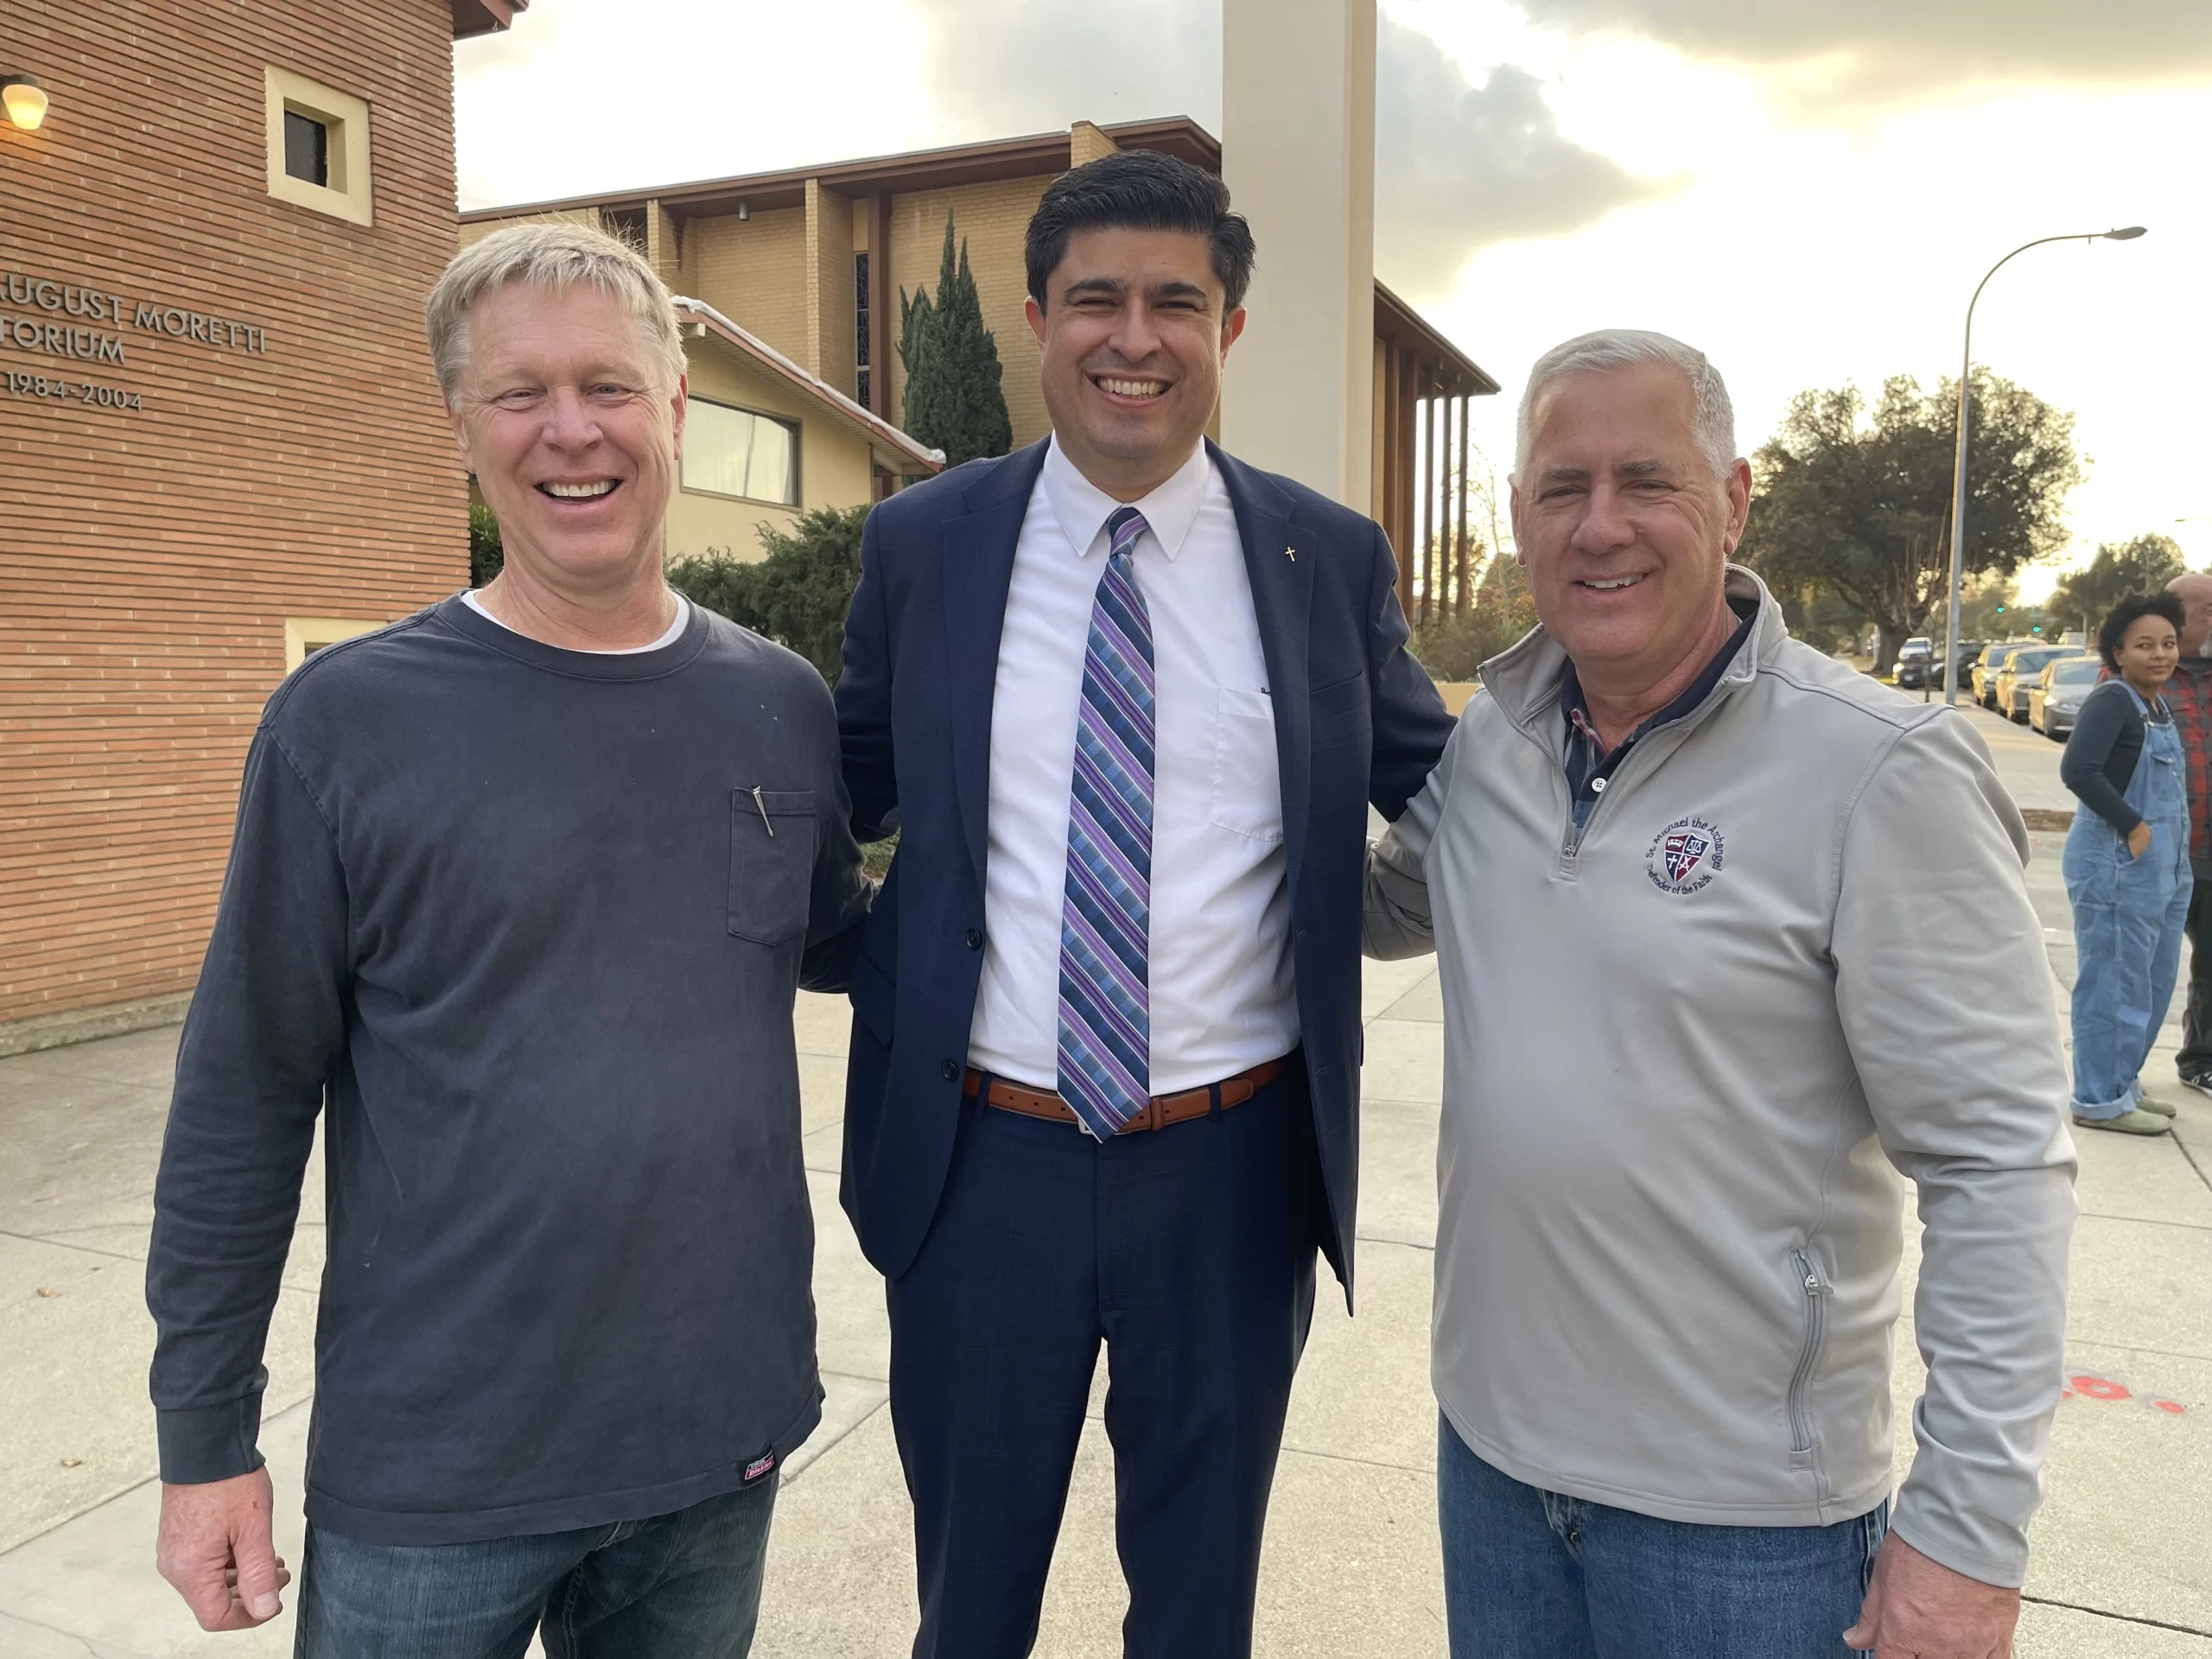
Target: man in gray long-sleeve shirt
[[521, 891], [1698, 894]]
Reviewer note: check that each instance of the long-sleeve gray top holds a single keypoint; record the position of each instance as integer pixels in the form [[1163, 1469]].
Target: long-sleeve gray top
[[523, 926]]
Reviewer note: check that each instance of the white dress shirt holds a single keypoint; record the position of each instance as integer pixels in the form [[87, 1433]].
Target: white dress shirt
[[1222, 995]]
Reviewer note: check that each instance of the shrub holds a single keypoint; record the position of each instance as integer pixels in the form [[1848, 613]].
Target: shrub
[[799, 594], [485, 556]]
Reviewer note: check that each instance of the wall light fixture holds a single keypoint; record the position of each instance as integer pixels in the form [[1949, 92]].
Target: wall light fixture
[[24, 100]]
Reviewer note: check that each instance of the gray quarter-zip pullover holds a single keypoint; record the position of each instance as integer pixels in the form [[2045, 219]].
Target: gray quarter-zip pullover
[[1687, 1048]]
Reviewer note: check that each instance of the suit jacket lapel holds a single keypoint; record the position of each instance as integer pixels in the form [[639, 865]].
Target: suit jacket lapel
[[1280, 568], [978, 565]]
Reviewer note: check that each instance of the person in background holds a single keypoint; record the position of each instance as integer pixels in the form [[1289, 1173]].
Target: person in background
[[2188, 695], [522, 889], [2127, 865]]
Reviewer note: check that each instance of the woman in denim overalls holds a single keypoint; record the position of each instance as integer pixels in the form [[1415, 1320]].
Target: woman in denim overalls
[[2126, 866]]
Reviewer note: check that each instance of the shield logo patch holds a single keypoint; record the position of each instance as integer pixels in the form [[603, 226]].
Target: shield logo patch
[[1685, 856], [1683, 849]]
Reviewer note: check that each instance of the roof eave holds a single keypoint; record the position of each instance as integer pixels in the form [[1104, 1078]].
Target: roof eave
[[856, 416], [1398, 322], [900, 174], [474, 17]]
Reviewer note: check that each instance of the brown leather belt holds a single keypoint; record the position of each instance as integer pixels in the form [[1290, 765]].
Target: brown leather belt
[[1163, 1110]]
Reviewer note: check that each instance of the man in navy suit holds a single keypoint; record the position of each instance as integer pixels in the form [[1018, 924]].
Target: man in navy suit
[[1125, 700]]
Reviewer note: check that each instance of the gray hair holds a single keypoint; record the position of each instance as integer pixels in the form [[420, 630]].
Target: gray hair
[[1713, 419], [549, 255]]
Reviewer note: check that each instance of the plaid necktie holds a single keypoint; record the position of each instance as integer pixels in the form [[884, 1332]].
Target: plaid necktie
[[1105, 982]]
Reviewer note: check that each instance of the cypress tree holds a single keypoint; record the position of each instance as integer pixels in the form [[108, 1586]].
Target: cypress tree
[[954, 401]]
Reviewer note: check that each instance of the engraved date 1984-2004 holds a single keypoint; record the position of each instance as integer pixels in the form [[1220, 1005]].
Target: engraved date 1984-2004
[[83, 392]]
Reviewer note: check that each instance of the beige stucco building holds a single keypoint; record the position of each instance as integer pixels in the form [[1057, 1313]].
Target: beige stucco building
[[809, 262], [765, 439]]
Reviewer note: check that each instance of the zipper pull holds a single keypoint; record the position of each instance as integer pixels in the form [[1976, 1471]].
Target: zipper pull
[[763, 805]]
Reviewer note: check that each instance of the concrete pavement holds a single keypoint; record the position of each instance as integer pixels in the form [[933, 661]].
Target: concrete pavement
[[2123, 1565]]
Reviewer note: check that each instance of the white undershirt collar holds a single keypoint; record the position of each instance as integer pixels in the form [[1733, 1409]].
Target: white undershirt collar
[[675, 629]]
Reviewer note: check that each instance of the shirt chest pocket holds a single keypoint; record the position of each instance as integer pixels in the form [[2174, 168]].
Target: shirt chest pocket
[[770, 862], [1247, 777]]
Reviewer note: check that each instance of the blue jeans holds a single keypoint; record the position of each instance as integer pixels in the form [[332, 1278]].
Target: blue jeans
[[1530, 1574], [685, 1585]]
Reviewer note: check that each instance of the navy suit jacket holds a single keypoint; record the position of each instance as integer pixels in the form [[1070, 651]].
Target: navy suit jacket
[[1356, 720]]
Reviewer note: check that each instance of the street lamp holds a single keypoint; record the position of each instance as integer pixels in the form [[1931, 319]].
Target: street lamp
[[1959, 466]]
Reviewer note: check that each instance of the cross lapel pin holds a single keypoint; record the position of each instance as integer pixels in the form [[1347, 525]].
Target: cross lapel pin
[[1291, 553]]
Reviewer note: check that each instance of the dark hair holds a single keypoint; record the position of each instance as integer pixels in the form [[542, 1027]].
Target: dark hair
[[1139, 190], [2126, 614]]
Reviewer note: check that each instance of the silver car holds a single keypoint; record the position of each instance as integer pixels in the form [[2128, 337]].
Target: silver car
[[2055, 699], [2017, 678]]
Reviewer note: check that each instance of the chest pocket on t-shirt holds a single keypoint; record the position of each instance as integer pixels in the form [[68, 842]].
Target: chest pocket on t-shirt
[[1247, 777], [770, 862]]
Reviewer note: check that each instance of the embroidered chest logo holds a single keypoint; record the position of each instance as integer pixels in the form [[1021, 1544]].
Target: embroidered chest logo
[[1686, 855]]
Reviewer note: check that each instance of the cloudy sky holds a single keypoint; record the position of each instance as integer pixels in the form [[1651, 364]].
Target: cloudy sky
[[1806, 189]]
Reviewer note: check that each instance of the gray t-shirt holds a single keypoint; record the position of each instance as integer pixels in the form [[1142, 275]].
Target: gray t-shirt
[[525, 924]]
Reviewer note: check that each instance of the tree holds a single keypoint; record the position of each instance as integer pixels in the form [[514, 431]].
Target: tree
[[954, 401], [1453, 647], [488, 555], [1815, 615], [1858, 503], [799, 594], [2083, 598]]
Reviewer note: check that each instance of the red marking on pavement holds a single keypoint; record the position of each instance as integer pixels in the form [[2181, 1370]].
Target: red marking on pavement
[[2100, 1388], [2172, 1408]]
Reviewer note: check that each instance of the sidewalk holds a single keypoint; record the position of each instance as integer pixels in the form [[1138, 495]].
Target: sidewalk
[[2123, 1563]]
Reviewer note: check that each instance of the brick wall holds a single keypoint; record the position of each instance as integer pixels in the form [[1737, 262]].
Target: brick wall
[[754, 271], [992, 218], [1088, 142], [832, 333], [152, 556]]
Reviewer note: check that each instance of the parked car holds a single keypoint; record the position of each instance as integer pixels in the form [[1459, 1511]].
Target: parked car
[[2056, 697], [1985, 672], [1964, 657], [1911, 669], [2017, 678]]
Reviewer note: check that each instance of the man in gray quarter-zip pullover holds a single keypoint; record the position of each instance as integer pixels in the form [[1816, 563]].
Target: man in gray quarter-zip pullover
[[1697, 894]]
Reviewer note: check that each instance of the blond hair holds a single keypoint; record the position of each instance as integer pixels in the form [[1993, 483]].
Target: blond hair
[[551, 256]]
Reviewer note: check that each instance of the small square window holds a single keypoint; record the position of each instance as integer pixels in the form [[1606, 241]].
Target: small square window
[[307, 149], [306, 635], [318, 140]]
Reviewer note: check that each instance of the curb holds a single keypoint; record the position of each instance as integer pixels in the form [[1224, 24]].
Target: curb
[[89, 1025]]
